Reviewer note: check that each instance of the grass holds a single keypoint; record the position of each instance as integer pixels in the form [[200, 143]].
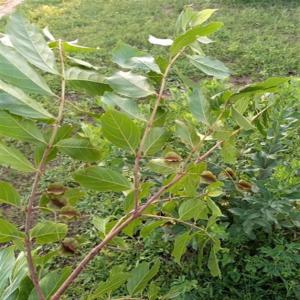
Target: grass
[[260, 38]]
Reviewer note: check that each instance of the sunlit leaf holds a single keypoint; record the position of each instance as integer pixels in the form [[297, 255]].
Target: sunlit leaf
[[120, 130], [79, 148], [155, 140], [242, 121], [19, 129], [30, 43], [12, 157], [161, 42], [9, 232], [102, 180], [191, 36], [15, 70], [87, 81], [19, 97], [130, 84], [48, 232], [210, 66], [128, 106], [8, 194]]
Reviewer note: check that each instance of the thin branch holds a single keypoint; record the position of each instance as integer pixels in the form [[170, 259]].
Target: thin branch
[[174, 220], [34, 190], [139, 153], [136, 213]]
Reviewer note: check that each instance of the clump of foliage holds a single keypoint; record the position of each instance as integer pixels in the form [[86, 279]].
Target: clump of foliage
[[164, 154]]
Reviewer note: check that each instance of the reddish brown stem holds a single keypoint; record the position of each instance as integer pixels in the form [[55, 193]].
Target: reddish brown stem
[[34, 190]]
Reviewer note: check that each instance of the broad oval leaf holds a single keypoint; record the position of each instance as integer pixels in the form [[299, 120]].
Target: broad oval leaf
[[102, 180], [191, 36], [155, 140], [202, 16], [120, 130], [180, 245], [130, 84], [9, 232], [51, 282], [30, 43], [192, 209], [199, 105], [90, 82], [210, 66], [8, 194], [242, 121], [19, 97], [48, 232], [19, 129], [140, 277], [79, 148], [128, 106], [12, 157], [161, 166], [131, 58], [15, 70]]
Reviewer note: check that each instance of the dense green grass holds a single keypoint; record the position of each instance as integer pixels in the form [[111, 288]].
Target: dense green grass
[[260, 38]]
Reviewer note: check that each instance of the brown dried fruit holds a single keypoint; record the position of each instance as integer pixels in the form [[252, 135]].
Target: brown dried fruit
[[244, 185], [230, 173], [69, 245], [58, 202], [173, 157], [208, 177], [56, 189]]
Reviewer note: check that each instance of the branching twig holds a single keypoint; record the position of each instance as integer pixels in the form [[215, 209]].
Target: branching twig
[[136, 213], [139, 153], [38, 175]]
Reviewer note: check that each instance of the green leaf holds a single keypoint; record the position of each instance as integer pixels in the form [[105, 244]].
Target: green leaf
[[101, 179], [187, 134], [9, 232], [155, 140], [140, 277], [210, 66], [79, 148], [202, 16], [30, 43], [120, 130], [269, 85], [16, 71], [20, 97], [150, 227], [89, 82], [191, 36], [180, 245], [19, 129], [51, 282], [131, 58], [130, 84], [7, 261], [19, 268], [48, 232], [114, 282], [71, 47], [215, 210], [161, 166], [213, 264], [128, 106], [13, 158], [8, 194], [242, 121], [153, 291], [192, 209], [229, 151], [199, 106]]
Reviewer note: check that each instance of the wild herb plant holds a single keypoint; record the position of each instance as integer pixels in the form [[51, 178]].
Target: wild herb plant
[[166, 176]]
